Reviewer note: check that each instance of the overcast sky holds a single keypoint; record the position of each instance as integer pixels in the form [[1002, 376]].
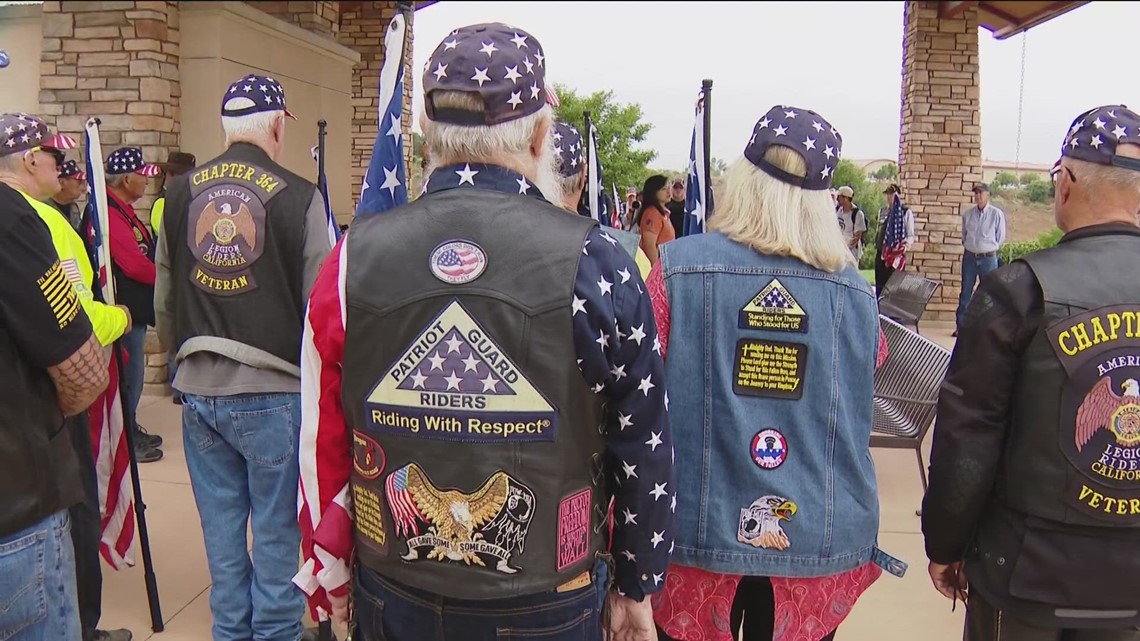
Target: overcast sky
[[842, 59]]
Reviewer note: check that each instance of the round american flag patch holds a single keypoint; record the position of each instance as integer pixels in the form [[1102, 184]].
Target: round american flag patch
[[457, 262]]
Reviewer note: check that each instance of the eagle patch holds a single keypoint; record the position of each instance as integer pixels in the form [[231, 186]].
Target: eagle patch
[[226, 236], [485, 528], [760, 523]]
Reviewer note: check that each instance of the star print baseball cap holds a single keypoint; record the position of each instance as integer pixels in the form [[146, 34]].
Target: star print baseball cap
[[807, 133], [1094, 135], [568, 147], [20, 132], [129, 160], [70, 169], [504, 66], [254, 94]]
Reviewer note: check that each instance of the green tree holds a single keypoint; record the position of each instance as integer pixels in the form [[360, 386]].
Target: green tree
[[889, 171], [1039, 191], [1027, 178], [619, 127], [1004, 178]]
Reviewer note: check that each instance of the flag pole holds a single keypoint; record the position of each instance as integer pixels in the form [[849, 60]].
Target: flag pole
[[100, 200], [322, 130], [706, 90]]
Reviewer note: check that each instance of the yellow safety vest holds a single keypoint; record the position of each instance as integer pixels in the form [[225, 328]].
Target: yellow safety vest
[[156, 211], [643, 264], [108, 322]]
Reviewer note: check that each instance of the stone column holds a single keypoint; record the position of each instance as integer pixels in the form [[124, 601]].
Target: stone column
[[320, 17], [117, 61], [362, 28], [940, 154]]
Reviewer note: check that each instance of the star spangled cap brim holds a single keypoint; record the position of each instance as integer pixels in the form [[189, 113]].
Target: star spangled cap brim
[[504, 66], [568, 148], [804, 131], [129, 160], [20, 132], [1095, 134], [254, 94], [70, 169]]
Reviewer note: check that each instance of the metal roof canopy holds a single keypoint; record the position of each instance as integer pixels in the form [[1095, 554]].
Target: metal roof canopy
[[1005, 19]]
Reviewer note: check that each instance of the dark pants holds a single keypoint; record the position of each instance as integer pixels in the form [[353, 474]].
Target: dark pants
[[388, 611], [984, 623], [86, 529], [755, 606], [882, 273]]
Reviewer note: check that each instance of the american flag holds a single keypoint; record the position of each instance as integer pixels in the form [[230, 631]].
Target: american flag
[[775, 300], [323, 188], [615, 215], [386, 184], [459, 262], [453, 366], [696, 209], [595, 183], [108, 437], [404, 511]]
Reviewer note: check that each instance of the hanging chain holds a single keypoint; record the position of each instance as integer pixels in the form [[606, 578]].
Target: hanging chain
[[1020, 101]]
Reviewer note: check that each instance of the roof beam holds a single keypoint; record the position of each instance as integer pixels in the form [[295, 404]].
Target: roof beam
[[1044, 15], [948, 10]]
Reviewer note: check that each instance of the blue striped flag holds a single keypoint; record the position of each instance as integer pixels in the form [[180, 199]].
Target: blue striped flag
[[386, 184], [596, 196], [323, 188], [697, 210]]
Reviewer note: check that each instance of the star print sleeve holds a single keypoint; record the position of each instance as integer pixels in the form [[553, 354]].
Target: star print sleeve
[[324, 444], [620, 357]]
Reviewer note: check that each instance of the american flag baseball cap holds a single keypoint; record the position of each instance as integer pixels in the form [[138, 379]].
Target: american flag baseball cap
[[1094, 135], [808, 134], [254, 94], [70, 169], [20, 132], [504, 66], [129, 160]]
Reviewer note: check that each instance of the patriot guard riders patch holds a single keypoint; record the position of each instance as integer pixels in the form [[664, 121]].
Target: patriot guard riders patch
[[769, 368], [489, 525], [774, 309], [1100, 410], [454, 383]]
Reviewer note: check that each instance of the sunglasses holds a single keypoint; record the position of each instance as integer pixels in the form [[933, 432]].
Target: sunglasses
[[56, 155], [1055, 174]]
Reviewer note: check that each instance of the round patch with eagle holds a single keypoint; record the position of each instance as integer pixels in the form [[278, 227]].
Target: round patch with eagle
[[1103, 402], [226, 236]]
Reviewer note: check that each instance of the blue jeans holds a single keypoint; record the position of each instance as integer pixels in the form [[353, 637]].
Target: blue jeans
[[388, 611], [974, 268], [37, 591], [242, 455], [135, 369]]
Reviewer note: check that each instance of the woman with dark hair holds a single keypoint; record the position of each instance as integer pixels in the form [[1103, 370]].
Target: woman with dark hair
[[653, 218]]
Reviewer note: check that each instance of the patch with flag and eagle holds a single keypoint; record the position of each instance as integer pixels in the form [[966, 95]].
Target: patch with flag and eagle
[[774, 309], [1100, 410], [226, 225], [484, 528], [454, 383]]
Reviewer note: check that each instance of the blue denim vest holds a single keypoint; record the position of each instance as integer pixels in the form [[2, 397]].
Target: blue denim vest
[[770, 375]]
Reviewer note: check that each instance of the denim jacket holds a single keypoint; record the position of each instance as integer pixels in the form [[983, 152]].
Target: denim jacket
[[770, 376]]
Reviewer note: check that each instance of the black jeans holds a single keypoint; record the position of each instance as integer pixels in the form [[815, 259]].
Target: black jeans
[[755, 606], [984, 623], [882, 272], [86, 529]]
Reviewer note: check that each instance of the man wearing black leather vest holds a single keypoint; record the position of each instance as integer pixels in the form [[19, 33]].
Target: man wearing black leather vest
[[488, 382], [1034, 501], [243, 239]]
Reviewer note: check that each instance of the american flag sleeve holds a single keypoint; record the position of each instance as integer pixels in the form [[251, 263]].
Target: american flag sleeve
[[325, 444]]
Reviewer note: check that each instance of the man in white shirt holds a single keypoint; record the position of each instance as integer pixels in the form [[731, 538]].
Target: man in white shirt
[[983, 232], [852, 220]]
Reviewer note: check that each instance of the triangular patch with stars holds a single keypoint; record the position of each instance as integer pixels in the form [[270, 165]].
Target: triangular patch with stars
[[774, 309], [454, 383]]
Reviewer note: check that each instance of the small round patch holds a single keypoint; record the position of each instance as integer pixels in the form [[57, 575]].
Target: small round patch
[[457, 262], [769, 449]]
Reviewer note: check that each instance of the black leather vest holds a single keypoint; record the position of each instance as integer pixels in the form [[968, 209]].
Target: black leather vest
[[1074, 445], [235, 229], [477, 443]]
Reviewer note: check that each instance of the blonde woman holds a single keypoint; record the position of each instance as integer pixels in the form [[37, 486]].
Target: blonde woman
[[771, 336]]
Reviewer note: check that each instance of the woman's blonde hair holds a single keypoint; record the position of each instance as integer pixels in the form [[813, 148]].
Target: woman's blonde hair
[[774, 217]]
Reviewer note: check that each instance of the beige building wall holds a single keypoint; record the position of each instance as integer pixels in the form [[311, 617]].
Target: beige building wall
[[222, 41], [21, 36]]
